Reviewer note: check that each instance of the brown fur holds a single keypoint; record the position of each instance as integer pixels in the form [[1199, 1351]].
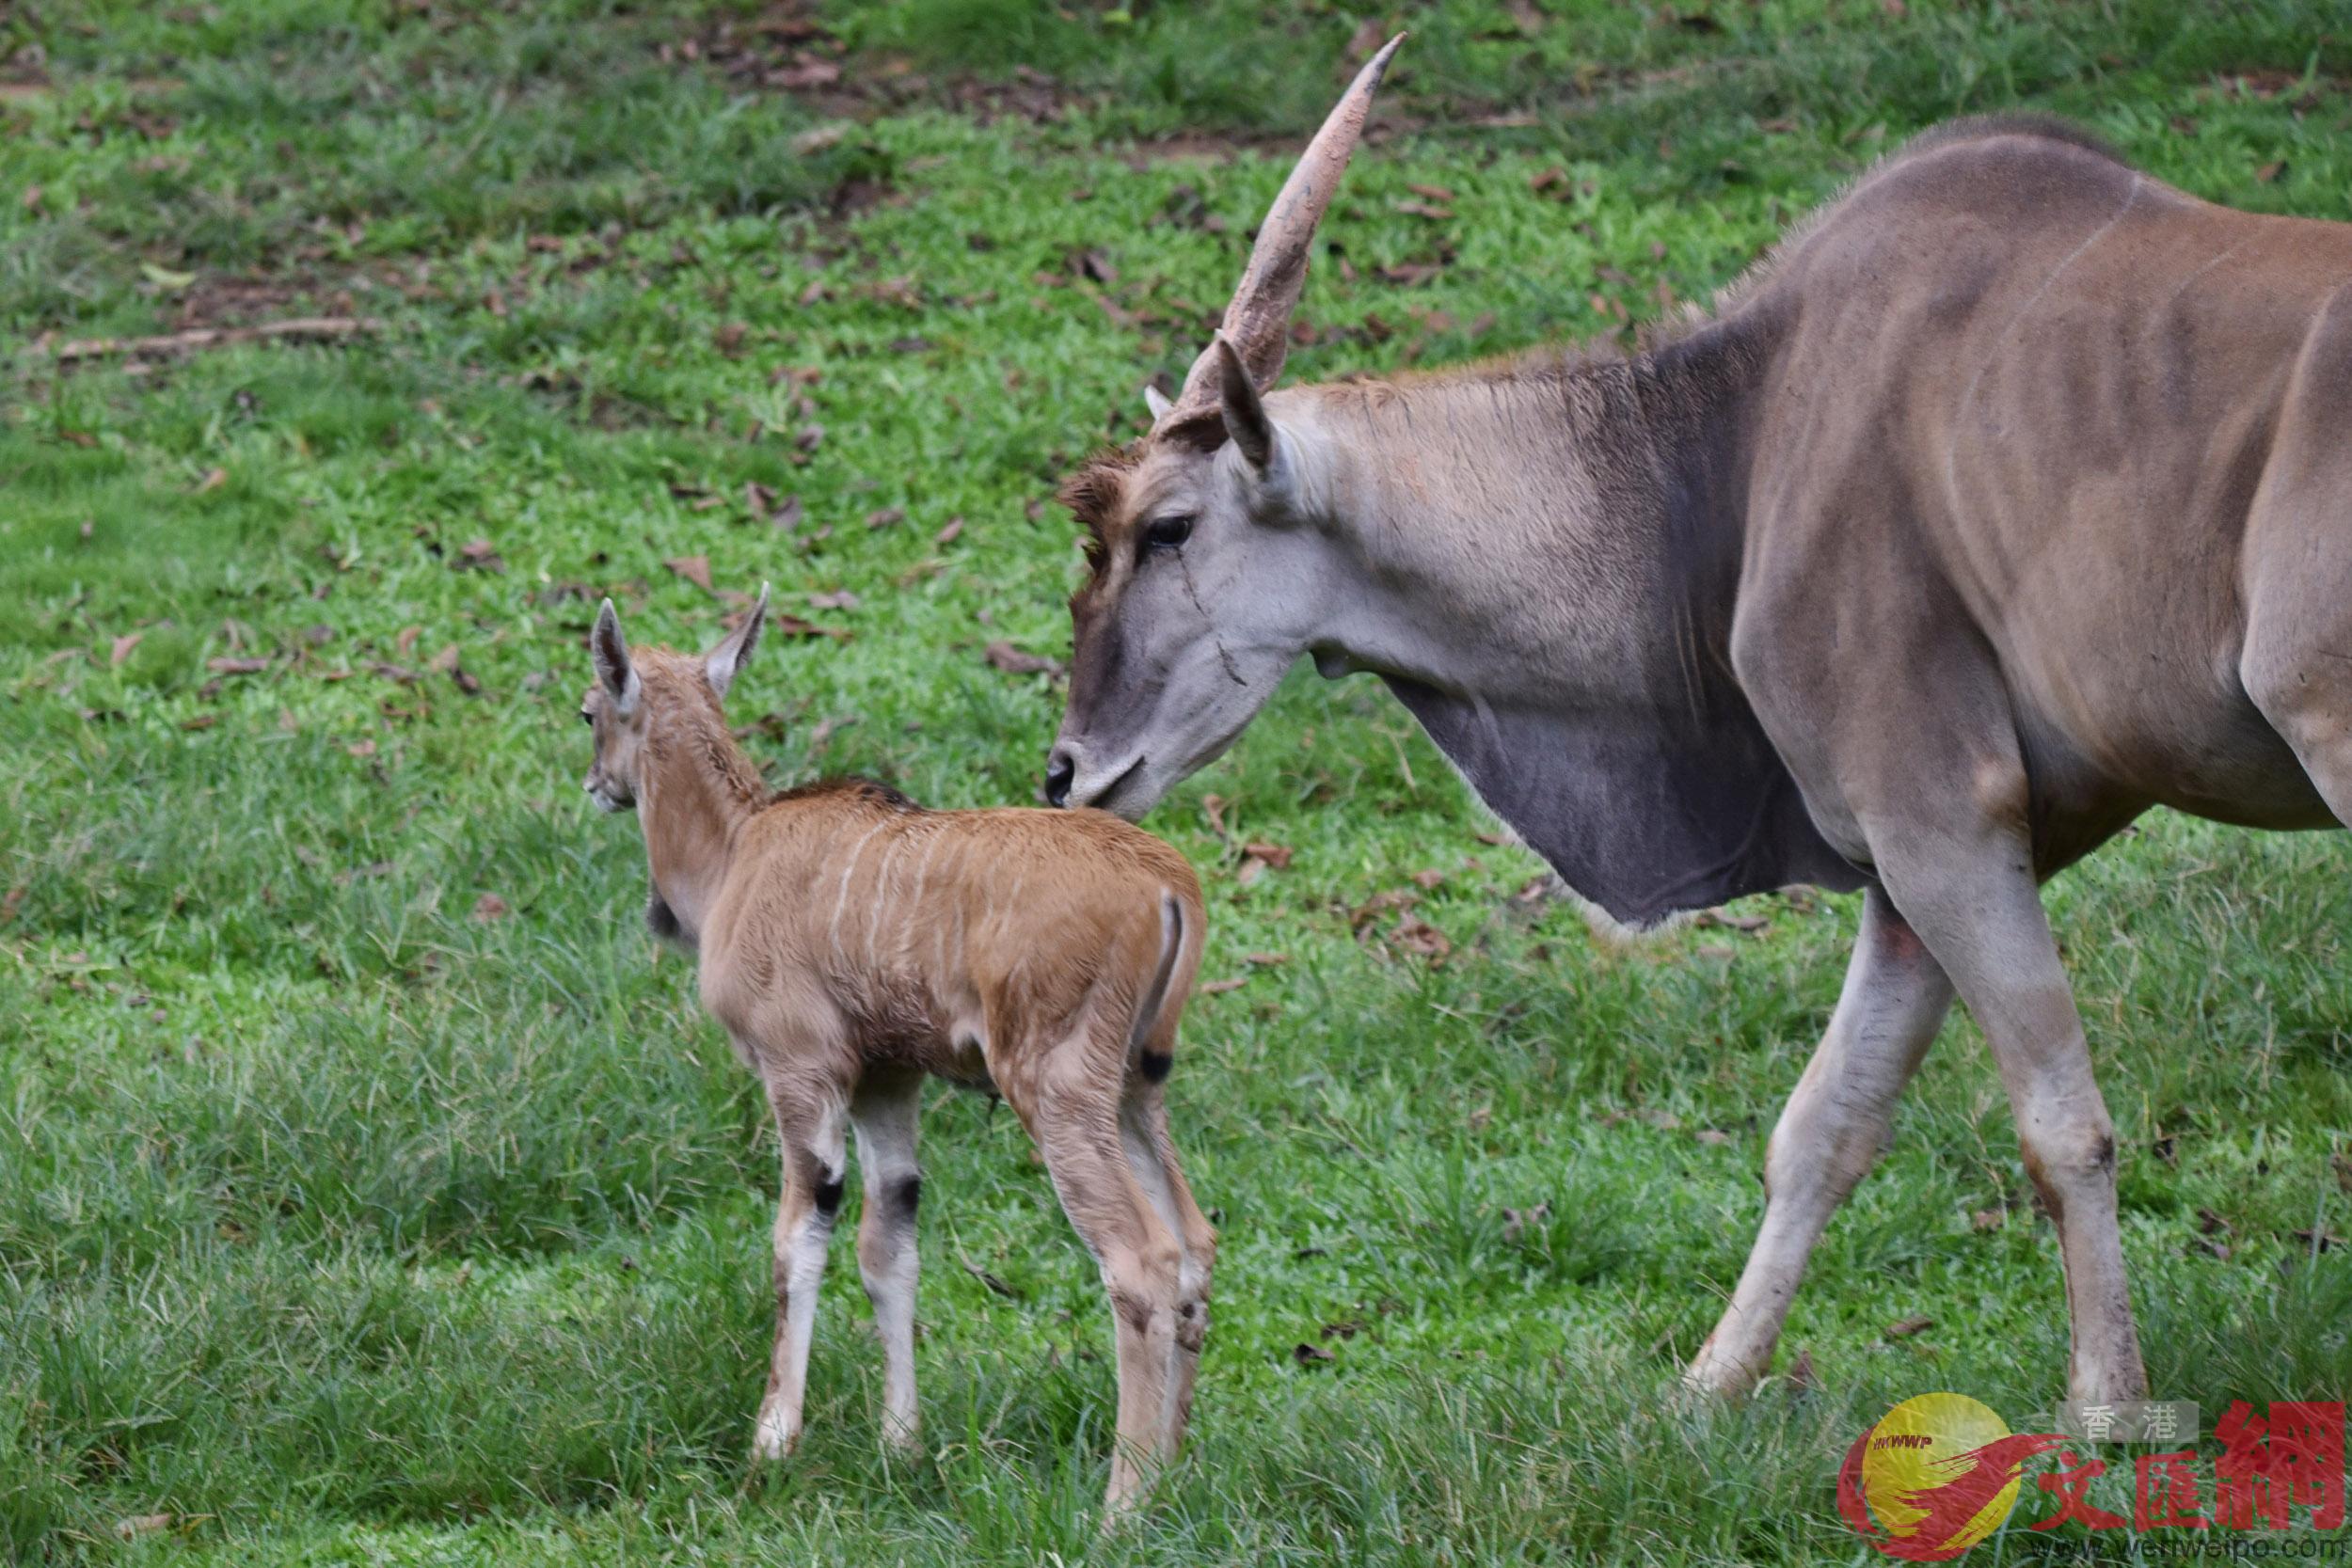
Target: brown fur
[[852, 943]]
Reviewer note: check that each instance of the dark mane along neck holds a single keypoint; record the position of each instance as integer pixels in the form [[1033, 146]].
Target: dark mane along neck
[[868, 791]]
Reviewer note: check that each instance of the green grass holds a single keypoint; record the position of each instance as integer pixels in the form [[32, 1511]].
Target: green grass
[[344, 1226]]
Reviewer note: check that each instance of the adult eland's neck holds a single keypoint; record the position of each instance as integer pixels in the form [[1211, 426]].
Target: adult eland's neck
[[1544, 528]]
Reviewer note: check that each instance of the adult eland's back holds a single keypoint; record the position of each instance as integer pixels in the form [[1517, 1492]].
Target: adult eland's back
[[2009, 498]]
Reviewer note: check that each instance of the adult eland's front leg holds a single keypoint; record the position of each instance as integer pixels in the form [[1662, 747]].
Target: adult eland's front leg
[[1972, 898], [1830, 1135]]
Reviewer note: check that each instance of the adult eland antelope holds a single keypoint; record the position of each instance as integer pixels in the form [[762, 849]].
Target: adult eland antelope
[[2009, 497]]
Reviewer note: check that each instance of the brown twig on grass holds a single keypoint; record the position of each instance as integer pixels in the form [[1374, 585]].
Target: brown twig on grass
[[213, 336]]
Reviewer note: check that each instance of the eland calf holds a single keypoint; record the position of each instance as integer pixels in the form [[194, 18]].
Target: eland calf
[[852, 943]]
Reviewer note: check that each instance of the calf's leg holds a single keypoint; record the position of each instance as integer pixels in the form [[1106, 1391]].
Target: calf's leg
[[1830, 1135], [1075, 1120], [809, 1122], [885, 1112], [1151, 1157]]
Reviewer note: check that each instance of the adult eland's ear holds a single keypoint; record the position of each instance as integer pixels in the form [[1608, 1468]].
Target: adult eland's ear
[[1157, 400], [722, 663], [1245, 419], [611, 652]]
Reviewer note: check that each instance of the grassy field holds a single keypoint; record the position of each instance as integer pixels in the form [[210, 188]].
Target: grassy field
[[372, 1191]]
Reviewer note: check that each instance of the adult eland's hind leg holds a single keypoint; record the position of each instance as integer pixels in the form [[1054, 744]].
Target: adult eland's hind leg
[[885, 1111], [1830, 1135]]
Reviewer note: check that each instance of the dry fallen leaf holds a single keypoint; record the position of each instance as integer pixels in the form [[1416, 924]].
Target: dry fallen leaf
[[1426, 880], [211, 482], [883, 516], [123, 646], [142, 1523], [1214, 988], [783, 624], [840, 598], [361, 749], [1801, 1374], [1712, 1137], [947, 535], [1516, 1221], [1378, 904], [1988, 1219], [1018, 662], [1277, 856], [480, 554], [236, 666], [445, 663], [1309, 1355], [1904, 1328], [1265, 960], [1724, 920], [693, 568], [489, 907], [1415, 935], [2269, 171]]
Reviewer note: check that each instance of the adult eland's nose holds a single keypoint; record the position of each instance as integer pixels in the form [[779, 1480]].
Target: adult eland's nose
[[1062, 767]]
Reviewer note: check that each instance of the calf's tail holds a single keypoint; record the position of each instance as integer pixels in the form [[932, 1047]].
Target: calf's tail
[[1153, 1065]]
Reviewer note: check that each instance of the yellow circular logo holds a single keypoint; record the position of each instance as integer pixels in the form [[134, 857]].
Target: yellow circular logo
[[1920, 1447], [1938, 1474]]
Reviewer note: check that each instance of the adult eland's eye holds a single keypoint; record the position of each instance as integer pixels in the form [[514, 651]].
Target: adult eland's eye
[[588, 719], [1167, 534]]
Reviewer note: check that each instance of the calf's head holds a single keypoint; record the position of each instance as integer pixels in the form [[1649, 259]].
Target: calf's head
[[644, 702], [1203, 559]]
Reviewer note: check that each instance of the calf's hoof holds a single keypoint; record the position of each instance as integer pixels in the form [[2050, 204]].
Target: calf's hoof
[[1711, 1377], [774, 1440]]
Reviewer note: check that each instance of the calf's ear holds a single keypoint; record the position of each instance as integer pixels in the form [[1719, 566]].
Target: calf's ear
[[722, 663], [610, 651]]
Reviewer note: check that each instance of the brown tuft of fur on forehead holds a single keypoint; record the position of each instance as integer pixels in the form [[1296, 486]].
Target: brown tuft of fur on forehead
[[1093, 493]]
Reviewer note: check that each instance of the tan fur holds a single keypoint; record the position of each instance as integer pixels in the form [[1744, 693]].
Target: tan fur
[[852, 943]]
